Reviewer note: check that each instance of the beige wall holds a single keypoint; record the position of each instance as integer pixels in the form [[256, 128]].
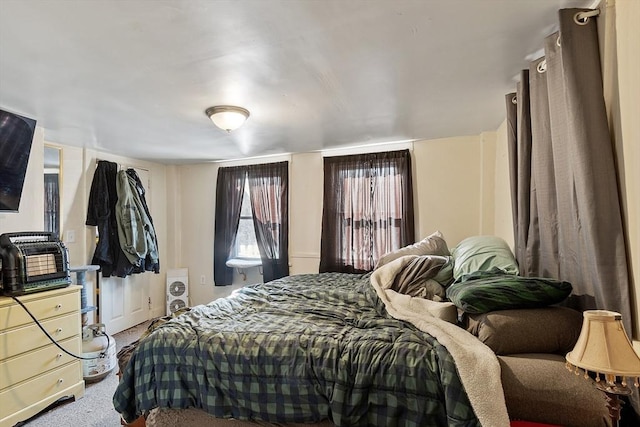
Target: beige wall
[[73, 202], [305, 221], [195, 196], [488, 141], [77, 166], [461, 185], [620, 51], [503, 219], [196, 199], [449, 179], [622, 93], [448, 185], [30, 215], [156, 196]]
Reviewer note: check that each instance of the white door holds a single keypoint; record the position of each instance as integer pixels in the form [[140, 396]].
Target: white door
[[125, 302]]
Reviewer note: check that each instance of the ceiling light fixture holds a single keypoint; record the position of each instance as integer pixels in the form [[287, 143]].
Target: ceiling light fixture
[[227, 117]]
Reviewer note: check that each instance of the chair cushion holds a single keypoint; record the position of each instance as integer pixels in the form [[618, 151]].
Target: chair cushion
[[539, 388], [533, 330]]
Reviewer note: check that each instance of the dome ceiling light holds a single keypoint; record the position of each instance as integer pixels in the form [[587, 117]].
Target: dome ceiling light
[[227, 117]]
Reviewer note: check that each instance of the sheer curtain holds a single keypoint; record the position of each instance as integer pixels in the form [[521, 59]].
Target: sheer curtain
[[368, 209], [269, 190], [229, 192], [566, 209]]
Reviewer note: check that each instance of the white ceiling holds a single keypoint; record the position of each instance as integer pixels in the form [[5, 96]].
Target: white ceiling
[[134, 77]]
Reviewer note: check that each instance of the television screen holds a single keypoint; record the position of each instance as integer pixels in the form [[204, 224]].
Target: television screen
[[16, 134]]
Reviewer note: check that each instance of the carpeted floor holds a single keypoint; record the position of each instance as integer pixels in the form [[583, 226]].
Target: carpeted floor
[[95, 408]]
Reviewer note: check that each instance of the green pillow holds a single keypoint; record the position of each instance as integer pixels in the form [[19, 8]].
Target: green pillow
[[483, 253], [482, 292]]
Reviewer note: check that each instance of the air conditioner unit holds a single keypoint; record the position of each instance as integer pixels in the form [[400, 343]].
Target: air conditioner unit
[[177, 289]]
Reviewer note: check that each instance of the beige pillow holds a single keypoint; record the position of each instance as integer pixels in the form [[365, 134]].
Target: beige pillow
[[430, 245]]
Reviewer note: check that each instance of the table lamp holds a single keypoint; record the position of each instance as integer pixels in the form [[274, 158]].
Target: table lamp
[[604, 349]]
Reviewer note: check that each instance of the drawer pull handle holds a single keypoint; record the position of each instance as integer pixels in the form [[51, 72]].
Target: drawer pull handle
[[58, 356], [58, 330], [61, 380], [58, 306]]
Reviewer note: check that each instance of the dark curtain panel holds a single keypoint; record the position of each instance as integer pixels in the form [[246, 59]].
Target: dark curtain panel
[[269, 191], [368, 209], [229, 192], [569, 222], [51, 203]]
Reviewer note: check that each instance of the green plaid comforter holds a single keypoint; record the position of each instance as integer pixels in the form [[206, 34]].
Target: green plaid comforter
[[299, 349]]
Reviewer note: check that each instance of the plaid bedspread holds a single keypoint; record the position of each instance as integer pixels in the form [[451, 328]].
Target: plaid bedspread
[[299, 349]]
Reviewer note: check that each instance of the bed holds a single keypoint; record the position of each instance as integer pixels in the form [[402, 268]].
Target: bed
[[383, 348], [301, 349]]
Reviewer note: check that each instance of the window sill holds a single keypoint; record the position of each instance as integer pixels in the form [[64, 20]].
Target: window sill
[[242, 263]]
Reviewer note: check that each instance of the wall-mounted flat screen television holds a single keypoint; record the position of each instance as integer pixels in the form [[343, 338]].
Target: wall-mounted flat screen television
[[16, 135]]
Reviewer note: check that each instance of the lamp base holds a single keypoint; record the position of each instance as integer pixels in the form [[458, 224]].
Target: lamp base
[[612, 393]]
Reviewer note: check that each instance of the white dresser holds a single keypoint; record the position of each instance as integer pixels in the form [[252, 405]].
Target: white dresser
[[34, 372]]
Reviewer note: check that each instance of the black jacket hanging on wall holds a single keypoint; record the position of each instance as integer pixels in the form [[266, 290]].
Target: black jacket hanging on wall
[[101, 212]]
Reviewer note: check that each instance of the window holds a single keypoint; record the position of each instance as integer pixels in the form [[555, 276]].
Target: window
[[242, 191], [368, 209], [246, 245]]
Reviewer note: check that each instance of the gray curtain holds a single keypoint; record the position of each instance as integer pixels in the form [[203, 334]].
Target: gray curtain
[[566, 209]]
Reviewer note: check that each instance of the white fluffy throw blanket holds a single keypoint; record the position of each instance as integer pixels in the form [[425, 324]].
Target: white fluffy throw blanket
[[478, 367]]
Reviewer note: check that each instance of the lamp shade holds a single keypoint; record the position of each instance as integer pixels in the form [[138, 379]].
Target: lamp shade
[[604, 347], [227, 117]]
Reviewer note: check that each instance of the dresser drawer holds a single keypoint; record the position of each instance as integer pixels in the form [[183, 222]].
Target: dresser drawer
[[42, 306], [25, 394], [27, 365], [26, 338]]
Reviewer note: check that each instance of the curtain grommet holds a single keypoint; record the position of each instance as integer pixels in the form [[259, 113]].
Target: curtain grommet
[[542, 66], [582, 18]]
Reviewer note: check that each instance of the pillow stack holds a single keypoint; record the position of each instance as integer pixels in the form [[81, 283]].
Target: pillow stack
[[486, 279], [479, 275]]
